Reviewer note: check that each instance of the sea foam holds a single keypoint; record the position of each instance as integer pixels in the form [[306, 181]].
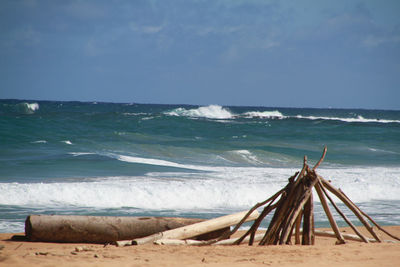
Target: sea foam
[[225, 188], [210, 112]]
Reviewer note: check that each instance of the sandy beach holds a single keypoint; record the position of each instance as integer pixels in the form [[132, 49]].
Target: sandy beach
[[323, 253]]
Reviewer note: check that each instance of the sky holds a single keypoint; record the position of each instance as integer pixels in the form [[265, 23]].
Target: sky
[[309, 53]]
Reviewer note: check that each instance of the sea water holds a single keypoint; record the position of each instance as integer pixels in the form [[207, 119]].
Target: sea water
[[194, 161]]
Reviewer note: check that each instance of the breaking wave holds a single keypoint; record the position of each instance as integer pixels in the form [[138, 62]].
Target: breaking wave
[[210, 112]]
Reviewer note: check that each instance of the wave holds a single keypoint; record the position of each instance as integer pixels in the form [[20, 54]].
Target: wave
[[264, 114], [222, 113], [225, 188], [76, 154], [66, 142], [209, 112], [24, 108], [39, 142], [359, 118]]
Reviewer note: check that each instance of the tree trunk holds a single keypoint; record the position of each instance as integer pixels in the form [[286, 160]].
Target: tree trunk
[[98, 229]]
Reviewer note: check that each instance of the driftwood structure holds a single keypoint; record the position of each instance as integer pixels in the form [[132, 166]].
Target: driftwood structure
[[293, 206]]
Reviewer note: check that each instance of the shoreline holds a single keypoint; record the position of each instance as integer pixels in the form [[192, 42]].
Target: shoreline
[[323, 253]]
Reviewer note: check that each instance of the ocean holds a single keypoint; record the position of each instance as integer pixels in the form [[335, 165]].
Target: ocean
[[133, 159]]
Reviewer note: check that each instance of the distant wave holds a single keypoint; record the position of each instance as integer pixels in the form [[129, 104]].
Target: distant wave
[[359, 118], [39, 142], [222, 113], [210, 112], [66, 142], [264, 114]]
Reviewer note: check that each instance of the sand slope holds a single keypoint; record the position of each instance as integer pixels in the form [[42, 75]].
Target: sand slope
[[324, 253]]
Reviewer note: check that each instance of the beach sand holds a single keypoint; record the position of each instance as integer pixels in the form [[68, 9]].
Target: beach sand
[[323, 253]]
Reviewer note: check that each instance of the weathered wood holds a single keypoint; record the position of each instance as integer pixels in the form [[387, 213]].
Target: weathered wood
[[196, 229], [329, 214], [297, 231], [304, 198], [342, 214], [369, 218], [307, 222], [287, 200], [321, 159], [256, 224], [97, 229], [349, 237], [351, 206], [190, 242], [269, 200]]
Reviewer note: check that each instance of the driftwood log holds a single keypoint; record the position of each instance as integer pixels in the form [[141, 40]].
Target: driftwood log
[[190, 231], [102, 229]]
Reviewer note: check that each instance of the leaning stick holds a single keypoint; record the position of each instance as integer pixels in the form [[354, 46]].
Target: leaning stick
[[297, 232], [369, 218], [255, 225], [307, 223], [342, 214], [321, 159], [351, 206], [271, 199], [329, 214], [349, 237]]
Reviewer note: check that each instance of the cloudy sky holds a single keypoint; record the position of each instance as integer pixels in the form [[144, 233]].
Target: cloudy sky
[[309, 53]]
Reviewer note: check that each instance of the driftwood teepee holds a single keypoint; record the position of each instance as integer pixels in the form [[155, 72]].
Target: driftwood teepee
[[293, 205]]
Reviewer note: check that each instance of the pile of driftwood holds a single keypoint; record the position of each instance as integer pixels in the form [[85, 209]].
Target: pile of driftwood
[[293, 216], [293, 206]]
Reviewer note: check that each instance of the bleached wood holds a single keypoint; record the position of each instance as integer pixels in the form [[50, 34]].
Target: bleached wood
[[196, 229]]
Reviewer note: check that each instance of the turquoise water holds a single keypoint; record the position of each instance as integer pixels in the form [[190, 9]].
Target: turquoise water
[[179, 160]]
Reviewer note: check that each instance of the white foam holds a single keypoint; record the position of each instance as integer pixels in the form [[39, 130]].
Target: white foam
[[39, 142], [264, 114], [210, 112], [66, 142], [247, 156], [227, 188], [76, 154], [357, 119], [32, 106]]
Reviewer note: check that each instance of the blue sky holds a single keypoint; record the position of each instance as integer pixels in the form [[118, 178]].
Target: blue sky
[[341, 54]]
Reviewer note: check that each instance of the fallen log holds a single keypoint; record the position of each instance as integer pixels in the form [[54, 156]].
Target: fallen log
[[196, 229], [101, 229]]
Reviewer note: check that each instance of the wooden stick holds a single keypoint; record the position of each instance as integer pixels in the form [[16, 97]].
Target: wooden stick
[[271, 199], [351, 206], [349, 237], [297, 232], [196, 229], [307, 222], [369, 218], [321, 159], [329, 214], [256, 224], [342, 214]]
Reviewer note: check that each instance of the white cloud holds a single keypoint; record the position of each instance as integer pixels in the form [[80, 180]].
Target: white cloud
[[25, 36], [148, 29], [374, 41]]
